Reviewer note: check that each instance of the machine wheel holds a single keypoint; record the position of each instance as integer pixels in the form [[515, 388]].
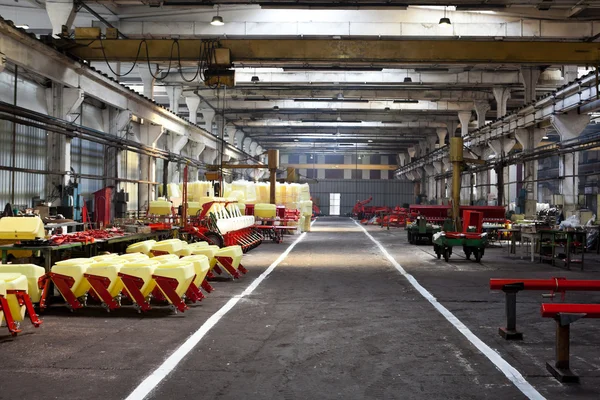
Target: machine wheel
[[438, 253], [467, 252], [478, 253], [214, 238], [447, 254], [410, 240]]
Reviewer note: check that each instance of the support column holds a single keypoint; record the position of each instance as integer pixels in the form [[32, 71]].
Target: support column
[[481, 109], [174, 94], [348, 161], [530, 80], [148, 79], [570, 73], [253, 147], [246, 144], [464, 118], [239, 140], [452, 125], [441, 134], [502, 147], [230, 134], [208, 115], [402, 158], [149, 135], [429, 189], [569, 126], [60, 12], [501, 95], [440, 183], [530, 138], [320, 170], [303, 160], [412, 152], [193, 102], [177, 144], [431, 139]]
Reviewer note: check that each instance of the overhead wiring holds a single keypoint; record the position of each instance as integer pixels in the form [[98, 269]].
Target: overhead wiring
[[206, 53]]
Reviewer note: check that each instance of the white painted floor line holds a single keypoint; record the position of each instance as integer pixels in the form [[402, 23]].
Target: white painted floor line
[[174, 359], [508, 370]]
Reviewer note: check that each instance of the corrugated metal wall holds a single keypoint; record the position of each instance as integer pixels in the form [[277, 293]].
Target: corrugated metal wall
[[385, 192], [30, 154], [87, 158], [130, 163]]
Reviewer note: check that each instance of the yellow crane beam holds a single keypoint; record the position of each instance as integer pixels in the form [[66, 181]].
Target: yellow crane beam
[[346, 51]]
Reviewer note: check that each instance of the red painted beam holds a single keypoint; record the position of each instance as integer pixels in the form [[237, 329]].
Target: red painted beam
[[551, 310], [554, 284]]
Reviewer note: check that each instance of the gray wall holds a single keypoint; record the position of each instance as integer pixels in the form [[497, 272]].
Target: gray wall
[[385, 192]]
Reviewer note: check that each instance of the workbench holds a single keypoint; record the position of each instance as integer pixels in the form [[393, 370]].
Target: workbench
[[572, 242], [52, 253]]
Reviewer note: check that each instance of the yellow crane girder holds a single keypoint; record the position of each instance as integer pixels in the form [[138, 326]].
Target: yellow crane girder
[[347, 51]]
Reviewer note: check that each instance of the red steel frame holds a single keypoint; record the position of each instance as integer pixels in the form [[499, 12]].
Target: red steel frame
[[24, 300]]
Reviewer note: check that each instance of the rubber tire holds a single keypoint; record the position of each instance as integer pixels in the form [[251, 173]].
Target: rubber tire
[[478, 255], [409, 237], [447, 254], [214, 238], [438, 253]]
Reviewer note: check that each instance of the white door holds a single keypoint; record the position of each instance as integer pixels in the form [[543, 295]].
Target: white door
[[334, 204]]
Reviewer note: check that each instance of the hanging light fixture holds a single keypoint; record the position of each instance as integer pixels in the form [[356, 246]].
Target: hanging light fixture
[[407, 79], [217, 20], [445, 20]]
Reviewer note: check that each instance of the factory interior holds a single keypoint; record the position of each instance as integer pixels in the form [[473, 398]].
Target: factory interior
[[300, 199]]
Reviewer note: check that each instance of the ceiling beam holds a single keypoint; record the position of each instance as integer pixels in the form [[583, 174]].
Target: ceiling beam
[[349, 51]]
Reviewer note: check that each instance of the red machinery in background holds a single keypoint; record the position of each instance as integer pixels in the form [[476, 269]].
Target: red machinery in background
[[359, 208], [397, 217], [439, 213]]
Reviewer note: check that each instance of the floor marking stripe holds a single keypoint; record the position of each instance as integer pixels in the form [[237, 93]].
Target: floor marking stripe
[[174, 359], [508, 370]]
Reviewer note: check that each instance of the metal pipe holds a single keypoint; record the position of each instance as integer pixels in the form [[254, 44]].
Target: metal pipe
[[81, 176], [552, 310], [555, 284], [14, 141]]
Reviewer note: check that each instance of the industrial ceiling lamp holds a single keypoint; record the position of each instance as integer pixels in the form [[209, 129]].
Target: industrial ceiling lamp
[[254, 79], [407, 79], [217, 20], [445, 20]]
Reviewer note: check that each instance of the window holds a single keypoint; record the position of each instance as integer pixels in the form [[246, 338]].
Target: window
[[334, 204]]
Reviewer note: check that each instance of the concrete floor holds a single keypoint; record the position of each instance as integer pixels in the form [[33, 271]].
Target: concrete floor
[[334, 320]]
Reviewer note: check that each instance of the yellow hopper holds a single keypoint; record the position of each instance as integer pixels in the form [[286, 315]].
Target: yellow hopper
[[166, 258], [141, 247], [138, 281], [169, 246], [201, 267], [68, 278], [32, 272], [173, 280], [15, 301], [132, 257], [105, 282], [230, 259]]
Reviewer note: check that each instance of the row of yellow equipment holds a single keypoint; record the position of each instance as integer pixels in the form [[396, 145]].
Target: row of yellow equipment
[[168, 272]]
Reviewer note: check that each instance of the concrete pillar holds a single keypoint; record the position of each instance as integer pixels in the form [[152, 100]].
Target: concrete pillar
[[481, 108], [569, 126], [501, 95], [501, 147], [239, 139], [192, 102], [441, 134], [412, 152], [230, 134], [246, 144], [147, 78], [149, 135], [177, 144], [452, 125], [60, 12], [530, 79], [174, 94], [348, 172], [384, 173], [570, 73], [429, 188], [208, 115], [302, 171], [253, 147], [530, 138], [464, 118], [366, 174], [402, 158], [431, 139], [209, 155], [320, 171]]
